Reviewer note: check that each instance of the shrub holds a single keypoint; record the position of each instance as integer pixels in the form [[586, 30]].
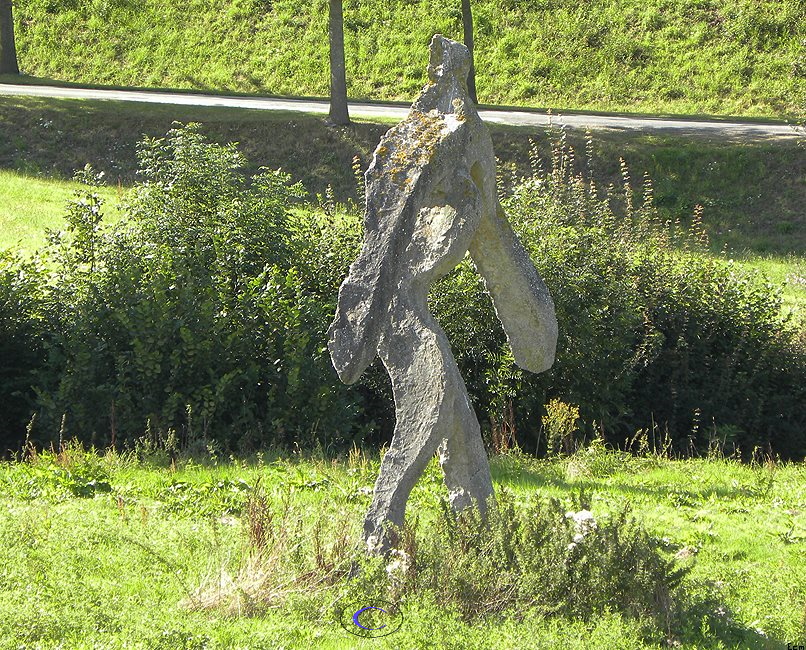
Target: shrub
[[71, 472], [205, 310], [192, 314], [546, 558], [654, 333], [538, 558], [559, 425], [21, 346]]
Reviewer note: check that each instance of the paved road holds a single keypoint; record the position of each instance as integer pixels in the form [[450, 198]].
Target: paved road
[[514, 118]]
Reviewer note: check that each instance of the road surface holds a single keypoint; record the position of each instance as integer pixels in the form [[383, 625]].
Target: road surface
[[374, 110]]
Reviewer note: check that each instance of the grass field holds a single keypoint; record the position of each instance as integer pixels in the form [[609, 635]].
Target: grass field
[[788, 272], [717, 57], [109, 569]]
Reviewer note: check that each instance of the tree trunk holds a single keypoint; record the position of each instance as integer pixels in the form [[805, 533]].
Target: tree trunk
[[467, 25], [8, 50], [338, 81]]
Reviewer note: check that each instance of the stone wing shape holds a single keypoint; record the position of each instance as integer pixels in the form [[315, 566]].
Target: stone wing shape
[[521, 299]]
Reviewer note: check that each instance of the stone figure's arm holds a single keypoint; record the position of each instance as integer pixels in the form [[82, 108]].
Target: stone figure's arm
[[521, 299], [350, 348], [366, 293]]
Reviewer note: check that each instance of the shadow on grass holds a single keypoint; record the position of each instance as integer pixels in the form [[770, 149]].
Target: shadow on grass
[[752, 192], [514, 474], [706, 619]]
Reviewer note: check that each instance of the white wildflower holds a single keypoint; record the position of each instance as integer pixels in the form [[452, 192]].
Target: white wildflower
[[400, 564]]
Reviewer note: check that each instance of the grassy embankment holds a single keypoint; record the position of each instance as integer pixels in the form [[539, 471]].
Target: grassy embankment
[[752, 192], [718, 57], [110, 570]]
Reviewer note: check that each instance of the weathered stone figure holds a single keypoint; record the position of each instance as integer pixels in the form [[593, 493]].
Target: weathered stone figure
[[431, 197]]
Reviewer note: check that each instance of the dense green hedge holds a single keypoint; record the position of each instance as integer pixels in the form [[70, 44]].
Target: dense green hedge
[[654, 336], [205, 310], [191, 314]]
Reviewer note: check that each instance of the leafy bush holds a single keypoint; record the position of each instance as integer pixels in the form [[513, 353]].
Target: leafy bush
[[654, 334], [70, 472], [21, 348], [192, 314], [202, 315], [225, 496]]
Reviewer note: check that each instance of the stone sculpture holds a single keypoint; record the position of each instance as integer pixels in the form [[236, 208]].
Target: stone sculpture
[[431, 198]]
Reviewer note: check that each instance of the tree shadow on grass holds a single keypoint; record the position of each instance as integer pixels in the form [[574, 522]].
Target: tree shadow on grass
[[553, 476]]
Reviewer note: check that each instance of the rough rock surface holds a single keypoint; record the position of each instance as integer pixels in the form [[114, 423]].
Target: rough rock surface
[[431, 197]]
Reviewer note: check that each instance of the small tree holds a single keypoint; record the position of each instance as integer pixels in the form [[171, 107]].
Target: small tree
[[467, 26], [338, 81], [8, 50]]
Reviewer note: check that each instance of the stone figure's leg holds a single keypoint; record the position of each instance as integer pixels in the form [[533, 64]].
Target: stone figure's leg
[[431, 405], [415, 365], [463, 457]]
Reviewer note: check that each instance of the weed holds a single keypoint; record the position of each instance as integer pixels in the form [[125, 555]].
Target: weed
[[560, 425], [279, 562], [73, 471]]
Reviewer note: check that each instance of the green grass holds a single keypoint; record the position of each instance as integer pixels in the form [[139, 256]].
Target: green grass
[[29, 205], [715, 57], [787, 272], [110, 569]]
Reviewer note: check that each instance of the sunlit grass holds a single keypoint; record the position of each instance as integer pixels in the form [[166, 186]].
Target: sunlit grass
[[29, 205], [650, 56], [785, 271], [113, 569], [789, 272]]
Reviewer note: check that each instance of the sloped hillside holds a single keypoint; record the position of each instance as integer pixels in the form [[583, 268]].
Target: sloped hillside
[[726, 57]]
